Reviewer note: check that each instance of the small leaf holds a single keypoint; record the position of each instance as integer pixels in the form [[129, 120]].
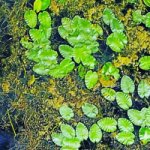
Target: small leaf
[[125, 125], [81, 131], [127, 84], [57, 138], [147, 22], [137, 17], [144, 88], [37, 5], [71, 143], [107, 124], [126, 138], [45, 19], [108, 16], [123, 100], [67, 131], [91, 79], [95, 133], [144, 63], [147, 2], [30, 18], [136, 117], [116, 25], [109, 94], [144, 134], [41, 5], [117, 41], [66, 51], [90, 110], [66, 112]]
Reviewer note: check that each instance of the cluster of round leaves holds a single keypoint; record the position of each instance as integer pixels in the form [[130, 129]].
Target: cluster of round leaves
[[127, 86], [39, 46], [80, 34], [116, 40], [69, 135], [138, 18], [142, 119]]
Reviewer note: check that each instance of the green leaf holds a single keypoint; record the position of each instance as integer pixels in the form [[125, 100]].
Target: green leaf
[[71, 143], [41, 68], [37, 5], [66, 51], [89, 61], [36, 35], [109, 69], [127, 84], [81, 131], [109, 94], [80, 53], [125, 125], [107, 124], [123, 100], [144, 63], [126, 138], [89, 110], [117, 41], [116, 25], [57, 138], [144, 134], [147, 2], [41, 5], [30, 18], [64, 68], [137, 17], [45, 19], [66, 112], [95, 133], [144, 88], [147, 20], [82, 71], [67, 131], [91, 79], [136, 117], [108, 16]]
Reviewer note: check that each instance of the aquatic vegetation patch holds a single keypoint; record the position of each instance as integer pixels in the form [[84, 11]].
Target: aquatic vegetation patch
[[116, 40]]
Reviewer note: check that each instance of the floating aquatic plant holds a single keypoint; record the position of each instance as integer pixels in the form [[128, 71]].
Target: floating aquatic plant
[[144, 88], [30, 18], [108, 124], [81, 131], [95, 133], [127, 84], [66, 112], [123, 100], [89, 110], [41, 5], [126, 138], [144, 63], [108, 16], [140, 118], [137, 17], [108, 94], [125, 125], [144, 134], [117, 41], [91, 79], [147, 2], [109, 70]]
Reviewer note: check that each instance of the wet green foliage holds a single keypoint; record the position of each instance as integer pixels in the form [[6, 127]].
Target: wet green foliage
[[34, 100]]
